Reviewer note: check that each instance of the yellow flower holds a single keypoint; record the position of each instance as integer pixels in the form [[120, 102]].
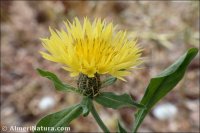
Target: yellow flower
[[92, 48]]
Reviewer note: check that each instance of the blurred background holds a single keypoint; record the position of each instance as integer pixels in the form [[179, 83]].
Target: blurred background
[[164, 29]]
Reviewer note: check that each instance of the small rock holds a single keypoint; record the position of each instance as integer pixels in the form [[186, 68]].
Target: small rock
[[192, 105], [46, 103], [165, 111], [7, 111]]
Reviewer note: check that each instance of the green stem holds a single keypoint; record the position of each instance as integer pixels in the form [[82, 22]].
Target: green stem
[[98, 119]]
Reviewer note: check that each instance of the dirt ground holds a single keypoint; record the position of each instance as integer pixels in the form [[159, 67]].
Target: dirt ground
[[164, 29]]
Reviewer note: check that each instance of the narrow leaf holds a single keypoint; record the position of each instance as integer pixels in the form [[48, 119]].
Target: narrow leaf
[[108, 81], [160, 85], [59, 119], [121, 129], [111, 100], [86, 105], [57, 82]]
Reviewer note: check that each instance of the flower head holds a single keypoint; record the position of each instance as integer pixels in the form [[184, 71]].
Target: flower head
[[92, 48]]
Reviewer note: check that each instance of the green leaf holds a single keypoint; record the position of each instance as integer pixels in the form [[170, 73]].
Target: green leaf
[[111, 100], [57, 82], [86, 105], [160, 85], [109, 81], [121, 129], [59, 119]]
